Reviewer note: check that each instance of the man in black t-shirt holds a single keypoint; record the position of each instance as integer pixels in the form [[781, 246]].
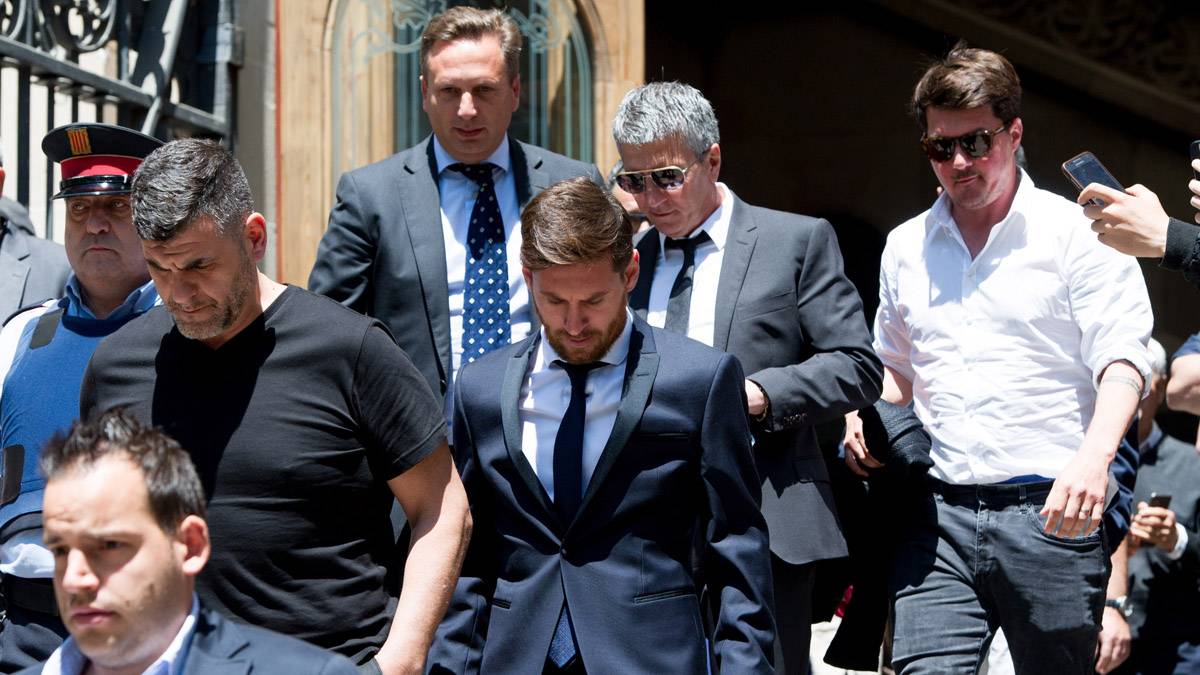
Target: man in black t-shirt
[[303, 418]]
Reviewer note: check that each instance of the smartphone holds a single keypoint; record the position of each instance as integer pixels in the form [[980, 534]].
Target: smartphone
[[1161, 501], [1195, 153], [1084, 169]]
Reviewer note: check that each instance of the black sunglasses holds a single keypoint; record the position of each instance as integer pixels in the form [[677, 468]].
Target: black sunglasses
[[976, 144], [666, 178]]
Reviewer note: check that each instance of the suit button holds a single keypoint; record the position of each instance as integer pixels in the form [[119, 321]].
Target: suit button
[[563, 551]]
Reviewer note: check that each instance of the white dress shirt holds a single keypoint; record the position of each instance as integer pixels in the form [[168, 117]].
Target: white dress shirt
[[68, 660], [546, 393], [457, 197], [1005, 351], [707, 273]]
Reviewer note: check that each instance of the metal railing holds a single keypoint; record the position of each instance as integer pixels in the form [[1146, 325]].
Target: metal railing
[[165, 67]]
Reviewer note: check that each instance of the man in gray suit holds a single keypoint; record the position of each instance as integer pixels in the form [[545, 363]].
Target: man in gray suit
[[31, 269], [410, 234], [767, 287]]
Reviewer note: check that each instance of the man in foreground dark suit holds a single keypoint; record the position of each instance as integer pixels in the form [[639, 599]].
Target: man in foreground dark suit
[[124, 517], [767, 287], [408, 235], [596, 454]]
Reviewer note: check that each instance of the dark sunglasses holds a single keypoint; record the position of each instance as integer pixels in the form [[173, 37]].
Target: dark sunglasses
[[666, 178], [975, 144]]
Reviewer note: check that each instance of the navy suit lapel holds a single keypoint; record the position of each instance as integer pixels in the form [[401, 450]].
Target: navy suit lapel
[[641, 367], [639, 299], [735, 263], [214, 645], [510, 401], [418, 198]]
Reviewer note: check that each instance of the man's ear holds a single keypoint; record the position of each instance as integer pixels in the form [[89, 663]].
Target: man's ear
[[255, 232], [192, 544], [632, 270]]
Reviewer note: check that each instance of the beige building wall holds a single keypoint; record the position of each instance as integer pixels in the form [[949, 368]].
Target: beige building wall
[[305, 91]]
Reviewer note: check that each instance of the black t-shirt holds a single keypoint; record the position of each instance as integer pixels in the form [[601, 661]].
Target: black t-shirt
[[294, 425]]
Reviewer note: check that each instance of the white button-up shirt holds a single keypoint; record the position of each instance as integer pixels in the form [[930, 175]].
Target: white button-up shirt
[[546, 393], [706, 275], [1005, 351]]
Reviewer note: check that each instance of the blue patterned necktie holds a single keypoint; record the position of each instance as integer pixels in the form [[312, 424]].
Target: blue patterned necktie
[[485, 287]]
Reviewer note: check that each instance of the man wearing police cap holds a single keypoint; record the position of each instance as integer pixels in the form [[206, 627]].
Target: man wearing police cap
[[44, 352]]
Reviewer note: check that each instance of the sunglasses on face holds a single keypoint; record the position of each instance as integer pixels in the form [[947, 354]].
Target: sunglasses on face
[[976, 144], [666, 178]]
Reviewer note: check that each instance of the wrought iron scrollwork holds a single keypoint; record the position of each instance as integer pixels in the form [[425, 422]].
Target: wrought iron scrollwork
[[80, 25], [13, 15]]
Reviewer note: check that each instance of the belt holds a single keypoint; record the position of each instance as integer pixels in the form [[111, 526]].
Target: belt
[[36, 595]]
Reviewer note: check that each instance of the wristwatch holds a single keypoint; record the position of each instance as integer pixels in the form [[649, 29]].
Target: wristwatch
[[1121, 604]]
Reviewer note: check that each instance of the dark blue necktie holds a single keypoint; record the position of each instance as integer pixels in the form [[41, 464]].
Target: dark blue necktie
[[568, 487], [485, 287]]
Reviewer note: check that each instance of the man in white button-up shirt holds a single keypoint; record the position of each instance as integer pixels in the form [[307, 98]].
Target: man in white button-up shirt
[[1019, 339]]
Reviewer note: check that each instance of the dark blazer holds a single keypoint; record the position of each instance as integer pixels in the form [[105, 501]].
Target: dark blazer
[[31, 269], [677, 469], [384, 256], [785, 309], [221, 647], [1164, 593]]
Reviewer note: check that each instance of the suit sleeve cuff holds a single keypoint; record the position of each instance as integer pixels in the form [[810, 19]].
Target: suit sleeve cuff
[[1181, 240]]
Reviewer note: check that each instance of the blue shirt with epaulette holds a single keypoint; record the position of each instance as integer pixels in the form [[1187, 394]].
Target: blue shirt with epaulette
[[40, 397]]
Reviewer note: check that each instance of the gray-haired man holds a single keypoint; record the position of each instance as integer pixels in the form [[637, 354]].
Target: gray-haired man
[[767, 287]]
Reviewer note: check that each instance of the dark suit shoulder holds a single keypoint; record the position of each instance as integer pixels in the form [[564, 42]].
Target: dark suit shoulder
[[218, 640], [560, 167], [674, 348], [780, 221]]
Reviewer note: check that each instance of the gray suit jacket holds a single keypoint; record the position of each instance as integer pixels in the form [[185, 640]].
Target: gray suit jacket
[[785, 309], [31, 269], [384, 255]]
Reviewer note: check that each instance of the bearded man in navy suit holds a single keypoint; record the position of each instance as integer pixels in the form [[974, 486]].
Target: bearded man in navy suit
[[609, 469]]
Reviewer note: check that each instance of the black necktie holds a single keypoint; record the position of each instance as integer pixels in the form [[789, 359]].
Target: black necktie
[[568, 443], [568, 488], [679, 306], [485, 286]]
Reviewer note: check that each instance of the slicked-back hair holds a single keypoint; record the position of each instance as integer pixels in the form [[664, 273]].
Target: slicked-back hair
[[661, 110], [575, 221], [470, 23], [171, 480], [185, 181], [969, 78]]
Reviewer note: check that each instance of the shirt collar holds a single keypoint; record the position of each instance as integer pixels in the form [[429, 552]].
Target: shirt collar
[[717, 223], [615, 355], [940, 219], [499, 157], [1152, 441], [68, 660], [141, 299]]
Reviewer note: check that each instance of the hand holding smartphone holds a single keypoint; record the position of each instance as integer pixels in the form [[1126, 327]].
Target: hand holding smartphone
[[1160, 501], [1084, 169]]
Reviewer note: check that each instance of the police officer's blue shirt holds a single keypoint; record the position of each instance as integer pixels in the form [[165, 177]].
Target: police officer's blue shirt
[[40, 397]]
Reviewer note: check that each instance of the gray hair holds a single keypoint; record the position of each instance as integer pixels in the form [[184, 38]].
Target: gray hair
[[659, 110], [1158, 357], [187, 180]]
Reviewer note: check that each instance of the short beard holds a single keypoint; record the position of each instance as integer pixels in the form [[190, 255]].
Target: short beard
[[607, 338], [228, 310]]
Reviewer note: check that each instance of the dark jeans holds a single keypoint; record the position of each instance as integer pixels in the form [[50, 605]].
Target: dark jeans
[[977, 559]]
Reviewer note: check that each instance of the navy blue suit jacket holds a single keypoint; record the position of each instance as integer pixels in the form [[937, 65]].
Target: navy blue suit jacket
[[221, 647], [677, 470]]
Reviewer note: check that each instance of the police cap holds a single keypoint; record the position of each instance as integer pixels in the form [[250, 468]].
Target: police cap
[[96, 159]]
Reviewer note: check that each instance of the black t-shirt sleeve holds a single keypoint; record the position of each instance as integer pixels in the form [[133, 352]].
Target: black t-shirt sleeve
[[399, 415]]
